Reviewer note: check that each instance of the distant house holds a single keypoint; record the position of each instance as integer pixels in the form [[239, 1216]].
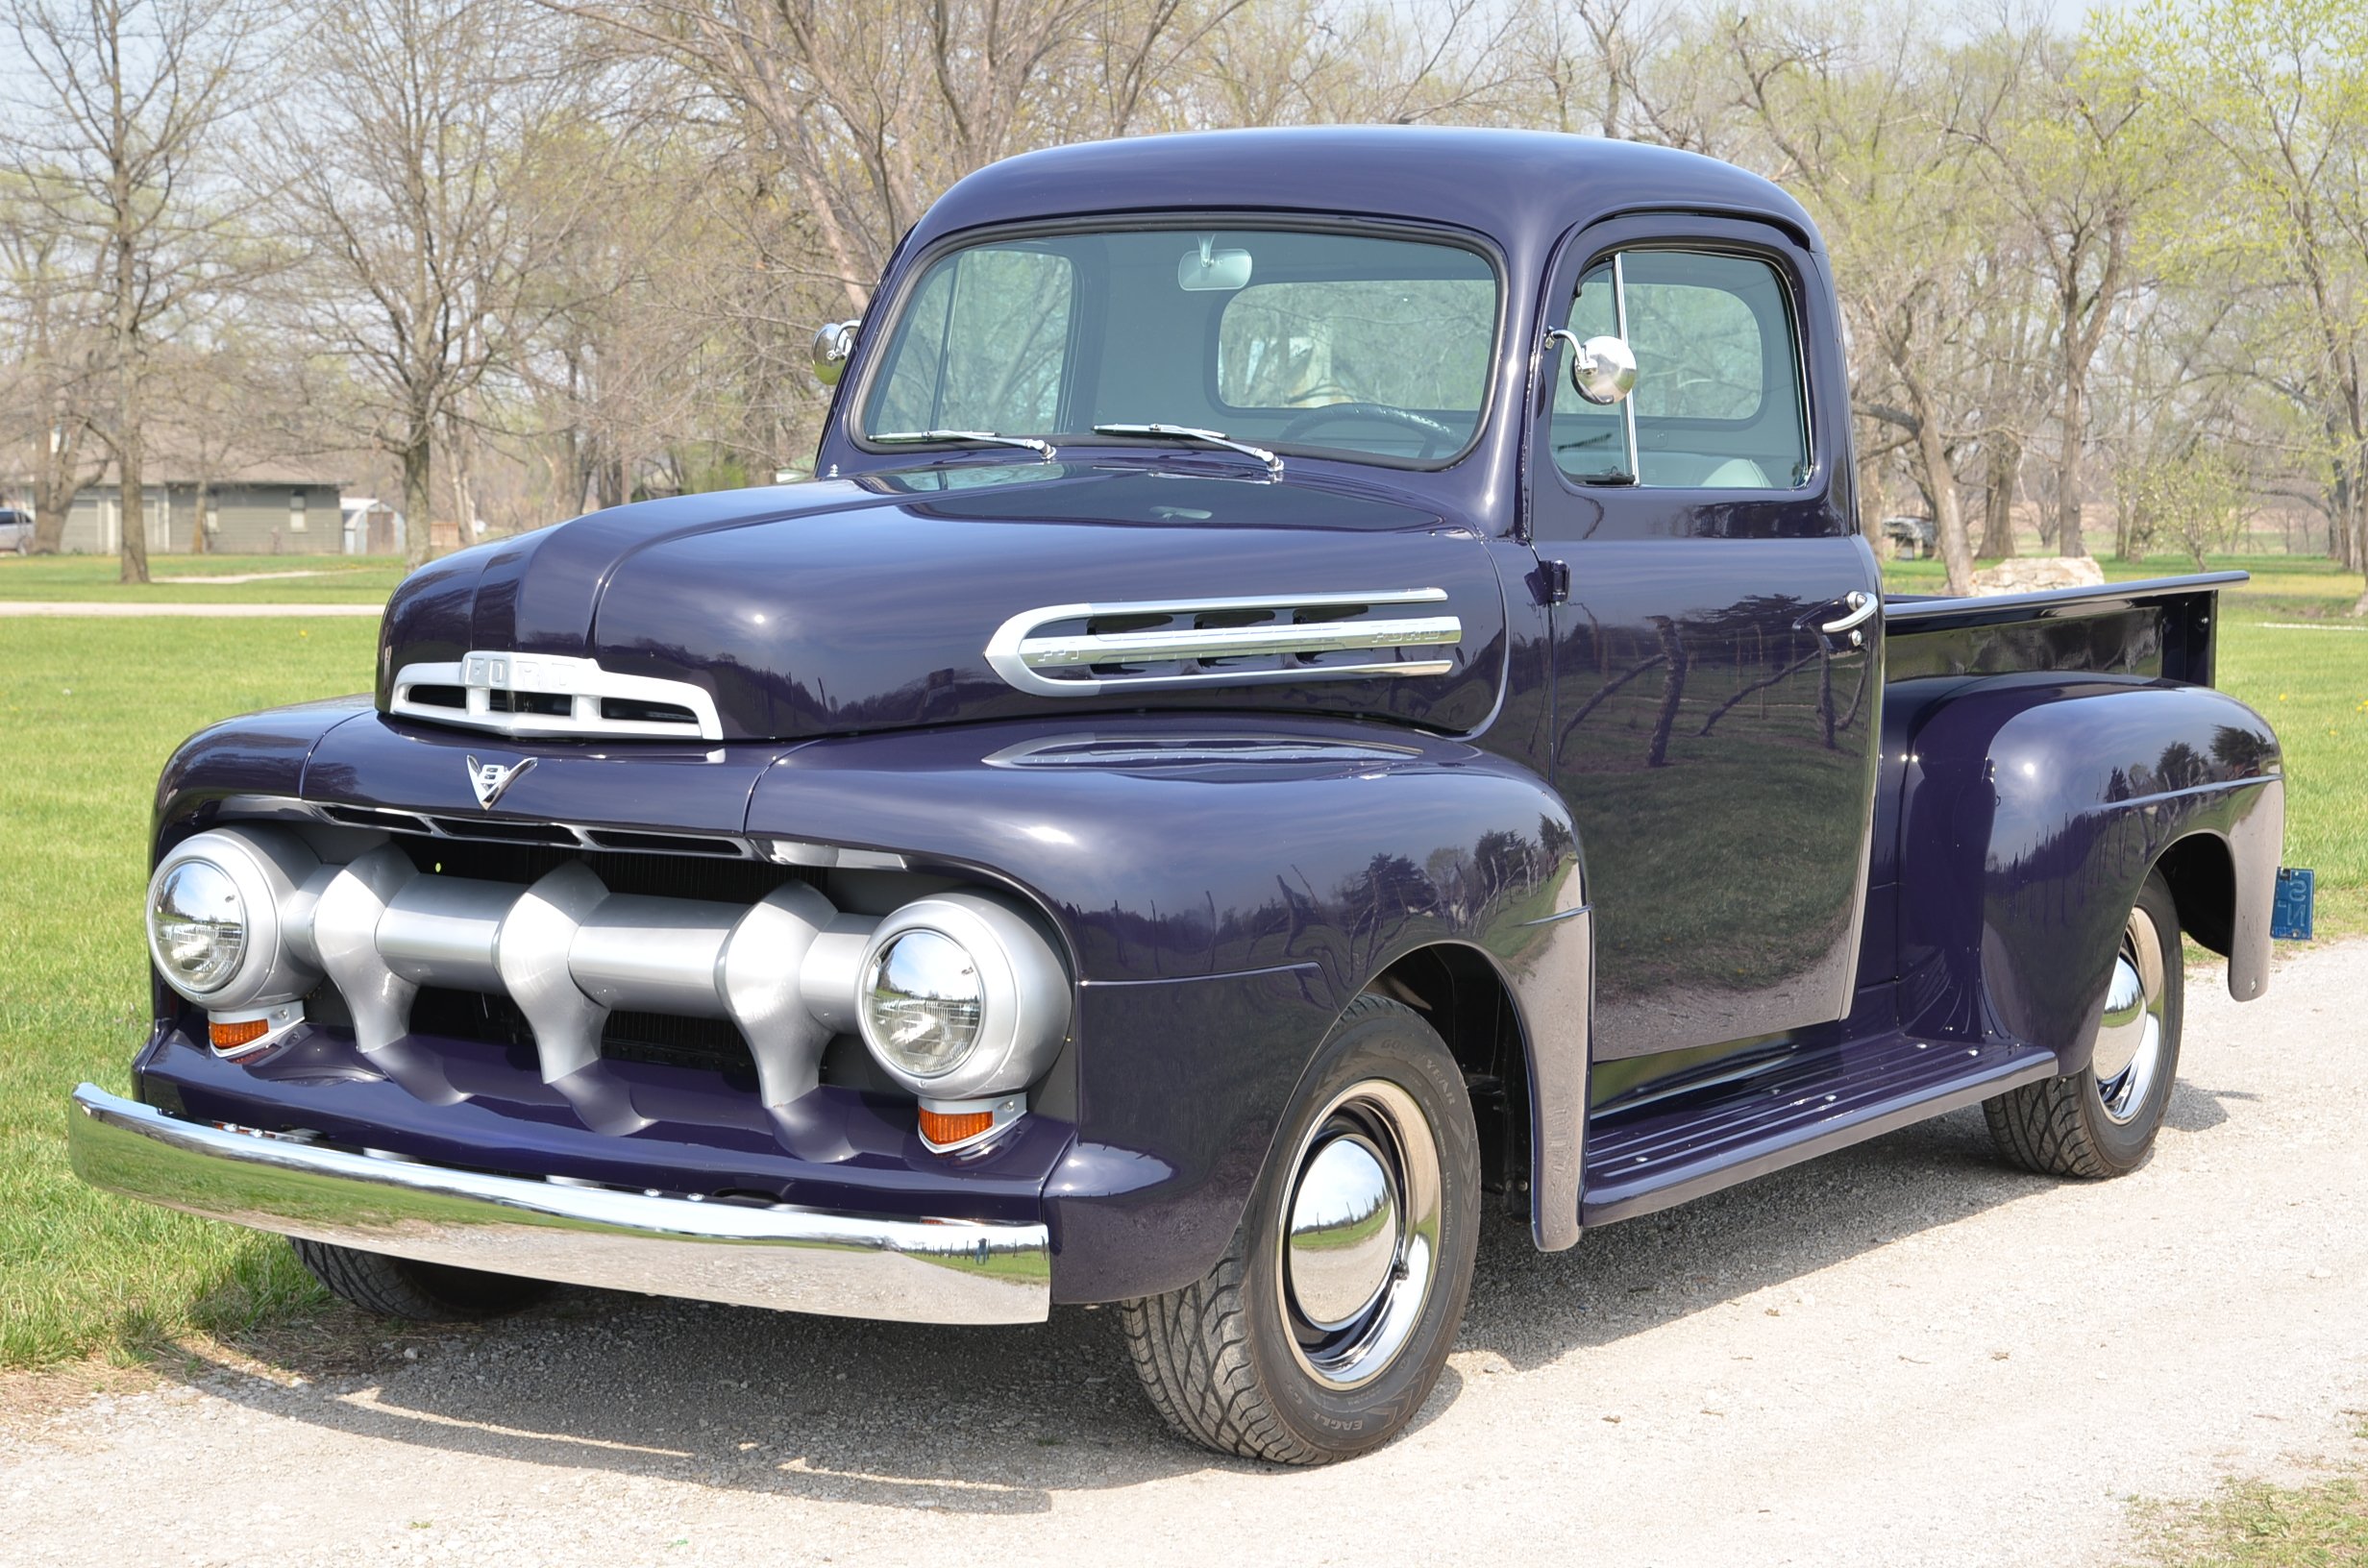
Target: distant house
[[252, 508]]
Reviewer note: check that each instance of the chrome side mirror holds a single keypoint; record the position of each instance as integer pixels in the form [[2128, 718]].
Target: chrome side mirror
[[833, 342], [1603, 370]]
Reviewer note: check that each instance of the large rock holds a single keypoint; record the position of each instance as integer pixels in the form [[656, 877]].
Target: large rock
[[2029, 574]]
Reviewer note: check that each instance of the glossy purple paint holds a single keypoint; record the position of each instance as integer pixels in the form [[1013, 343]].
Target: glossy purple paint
[[1228, 869]]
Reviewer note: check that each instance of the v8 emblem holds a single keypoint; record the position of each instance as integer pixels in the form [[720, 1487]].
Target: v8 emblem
[[488, 779]]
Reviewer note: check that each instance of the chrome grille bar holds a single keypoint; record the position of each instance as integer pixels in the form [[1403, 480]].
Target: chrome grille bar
[[568, 951]]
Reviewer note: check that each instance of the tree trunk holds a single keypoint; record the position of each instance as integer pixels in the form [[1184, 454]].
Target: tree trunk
[[55, 484], [1870, 503], [130, 480], [2073, 433], [199, 544], [49, 525], [2005, 462], [132, 502], [1939, 480], [418, 542], [131, 505]]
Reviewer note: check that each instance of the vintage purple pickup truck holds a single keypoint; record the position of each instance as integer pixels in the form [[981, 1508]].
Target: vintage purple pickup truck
[[1328, 681]]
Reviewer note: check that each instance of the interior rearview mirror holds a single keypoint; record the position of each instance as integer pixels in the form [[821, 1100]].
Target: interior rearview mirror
[[1209, 270], [833, 342]]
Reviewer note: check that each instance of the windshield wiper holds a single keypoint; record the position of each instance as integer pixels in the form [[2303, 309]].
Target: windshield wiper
[[976, 438], [1190, 432]]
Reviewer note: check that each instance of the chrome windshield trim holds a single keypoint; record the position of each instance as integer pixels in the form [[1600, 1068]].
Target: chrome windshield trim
[[747, 1255], [1022, 655]]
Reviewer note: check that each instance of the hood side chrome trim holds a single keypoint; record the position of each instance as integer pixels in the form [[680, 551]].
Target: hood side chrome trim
[[1025, 658]]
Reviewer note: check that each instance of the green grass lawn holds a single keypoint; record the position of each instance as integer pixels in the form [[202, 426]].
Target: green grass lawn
[[89, 711], [185, 579]]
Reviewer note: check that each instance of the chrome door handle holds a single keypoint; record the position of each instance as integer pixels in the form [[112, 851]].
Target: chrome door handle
[[1862, 609]]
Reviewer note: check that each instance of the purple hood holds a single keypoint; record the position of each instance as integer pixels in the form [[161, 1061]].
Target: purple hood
[[867, 603]]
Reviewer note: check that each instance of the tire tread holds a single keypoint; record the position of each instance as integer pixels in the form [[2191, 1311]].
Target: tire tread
[[417, 1292], [1190, 1347]]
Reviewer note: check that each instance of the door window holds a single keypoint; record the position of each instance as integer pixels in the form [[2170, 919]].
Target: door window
[[1718, 404]]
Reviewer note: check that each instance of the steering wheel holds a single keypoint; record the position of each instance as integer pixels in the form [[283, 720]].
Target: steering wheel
[[1434, 433]]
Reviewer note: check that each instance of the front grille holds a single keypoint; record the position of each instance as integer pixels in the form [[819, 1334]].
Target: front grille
[[676, 960], [509, 830], [658, 1038], [627, 710], [549, 703], [729, 881]]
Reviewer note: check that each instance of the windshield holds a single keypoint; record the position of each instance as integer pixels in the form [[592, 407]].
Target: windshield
[[1299, 341]]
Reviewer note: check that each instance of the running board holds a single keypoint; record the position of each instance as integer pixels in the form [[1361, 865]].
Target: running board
[[1694, 1144]]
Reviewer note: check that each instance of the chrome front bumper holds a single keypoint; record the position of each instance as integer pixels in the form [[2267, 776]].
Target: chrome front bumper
[[795, 1260]]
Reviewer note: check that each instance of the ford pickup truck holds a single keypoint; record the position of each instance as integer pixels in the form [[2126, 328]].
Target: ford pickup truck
[[1328, 681]]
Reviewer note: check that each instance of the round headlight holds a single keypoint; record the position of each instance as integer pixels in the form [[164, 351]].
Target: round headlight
[[960, 996], [197, 926], [924, 1002], [226, 925]]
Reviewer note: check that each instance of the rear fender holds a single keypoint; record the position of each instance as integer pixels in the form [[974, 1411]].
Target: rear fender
[[2033, 808]]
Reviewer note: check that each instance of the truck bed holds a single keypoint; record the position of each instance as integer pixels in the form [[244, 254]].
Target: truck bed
[[2161, 627]]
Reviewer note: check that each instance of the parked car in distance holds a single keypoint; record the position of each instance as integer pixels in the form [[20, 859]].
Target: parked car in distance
[[1329, 681], [15, 531]]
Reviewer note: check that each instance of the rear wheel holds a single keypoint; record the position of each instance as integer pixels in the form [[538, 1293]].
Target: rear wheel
[[422, 1292], [1322, 1329], [2101, 1121]]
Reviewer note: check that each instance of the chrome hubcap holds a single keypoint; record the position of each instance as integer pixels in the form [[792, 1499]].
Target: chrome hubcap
[[1360, 1235], [1343, 1231], [2129, 1053]]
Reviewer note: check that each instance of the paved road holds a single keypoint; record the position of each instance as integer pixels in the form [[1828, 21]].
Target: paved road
[[117, 607], [1902, 1355]]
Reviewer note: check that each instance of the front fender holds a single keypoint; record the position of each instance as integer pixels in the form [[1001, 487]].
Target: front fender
[[1226, 891], [2033, 808]]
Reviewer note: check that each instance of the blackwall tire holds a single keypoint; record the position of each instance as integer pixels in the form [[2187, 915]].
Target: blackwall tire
[[419, 1292], [2101, 1121], [1325, 1325]]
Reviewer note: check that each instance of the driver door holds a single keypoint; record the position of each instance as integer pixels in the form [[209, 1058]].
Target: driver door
[[1715, 745]]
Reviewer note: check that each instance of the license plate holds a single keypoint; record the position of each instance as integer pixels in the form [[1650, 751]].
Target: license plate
[[2289, 915]]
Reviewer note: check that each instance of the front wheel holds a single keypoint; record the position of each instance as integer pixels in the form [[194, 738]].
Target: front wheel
[[2101, 1121], [1322, 1330]]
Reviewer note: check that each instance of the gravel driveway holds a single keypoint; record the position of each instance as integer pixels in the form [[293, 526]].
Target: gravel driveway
[[1905, 1353]]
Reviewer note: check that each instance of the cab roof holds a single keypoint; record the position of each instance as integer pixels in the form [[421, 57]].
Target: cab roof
[[1521, 188]]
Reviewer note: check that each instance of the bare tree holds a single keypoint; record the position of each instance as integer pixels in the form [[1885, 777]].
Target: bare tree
[[2080, 156], [1861, 129], [136, 90], [431, 159], [53, 308], [869, 112]]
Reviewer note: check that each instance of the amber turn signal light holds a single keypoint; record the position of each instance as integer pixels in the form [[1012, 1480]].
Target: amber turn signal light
[[228, 1036], [942, 1129]]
